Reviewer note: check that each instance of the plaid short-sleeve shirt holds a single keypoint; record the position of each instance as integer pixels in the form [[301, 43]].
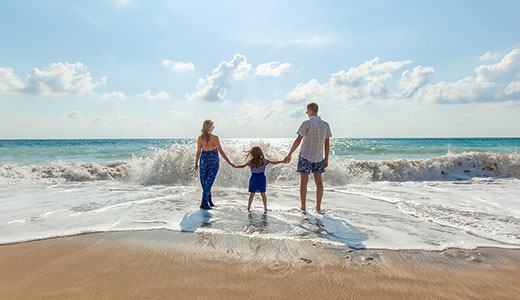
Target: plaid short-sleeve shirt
[[314, 132]]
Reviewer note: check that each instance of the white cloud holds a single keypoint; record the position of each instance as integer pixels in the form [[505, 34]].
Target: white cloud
[[178, 66], [504, 71], [297, 113], [412, 81], [214, 87], [114, 96], [513, 87], [306, 92], [372, 80], [9, 82], [461, 91], [58, 79], [489, 56], [364, 83], [366, 80], [274, 69], [495, 82], [61, 79], [162, 95], [74, 115]]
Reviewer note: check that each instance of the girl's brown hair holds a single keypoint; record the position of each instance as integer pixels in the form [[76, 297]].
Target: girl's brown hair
[[255, 157], [204, 132]]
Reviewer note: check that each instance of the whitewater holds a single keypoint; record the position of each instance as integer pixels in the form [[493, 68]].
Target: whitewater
[[427, 194]]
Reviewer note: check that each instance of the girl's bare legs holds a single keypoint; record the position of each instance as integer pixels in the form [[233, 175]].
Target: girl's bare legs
[[264, 199], [251, 196]]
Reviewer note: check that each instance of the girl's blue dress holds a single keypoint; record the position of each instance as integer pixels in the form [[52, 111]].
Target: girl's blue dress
[[258, 182]]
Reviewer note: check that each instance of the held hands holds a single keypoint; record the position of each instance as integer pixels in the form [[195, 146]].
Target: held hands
[[238, 166], [286, 160]]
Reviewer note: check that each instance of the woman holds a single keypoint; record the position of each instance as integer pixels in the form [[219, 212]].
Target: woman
[[209, 161]]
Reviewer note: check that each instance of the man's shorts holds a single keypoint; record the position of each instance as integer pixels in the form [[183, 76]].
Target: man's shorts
[[306, 167]]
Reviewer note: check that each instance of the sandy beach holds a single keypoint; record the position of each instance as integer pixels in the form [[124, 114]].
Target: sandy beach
[[161, 264]]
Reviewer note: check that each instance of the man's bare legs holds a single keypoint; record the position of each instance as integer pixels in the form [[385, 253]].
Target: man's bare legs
[[318, 179], [304, 179]]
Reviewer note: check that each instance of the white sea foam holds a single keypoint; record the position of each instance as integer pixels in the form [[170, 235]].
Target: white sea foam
[[176, 166], [455, 200], [413, 216]]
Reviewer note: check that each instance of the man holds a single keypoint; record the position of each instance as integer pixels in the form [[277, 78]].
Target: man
[[315, 134]]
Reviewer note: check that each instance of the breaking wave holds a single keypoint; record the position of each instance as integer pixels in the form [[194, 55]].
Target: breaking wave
[[175, 166]]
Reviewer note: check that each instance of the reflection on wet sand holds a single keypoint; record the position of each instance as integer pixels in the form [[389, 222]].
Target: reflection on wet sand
[[257, 223], [200, 218], [333, 229]]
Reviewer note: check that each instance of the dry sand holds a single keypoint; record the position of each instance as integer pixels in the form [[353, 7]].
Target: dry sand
[[165, 265]]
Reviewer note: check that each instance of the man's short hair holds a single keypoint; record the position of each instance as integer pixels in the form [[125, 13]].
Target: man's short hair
[[313, 107]]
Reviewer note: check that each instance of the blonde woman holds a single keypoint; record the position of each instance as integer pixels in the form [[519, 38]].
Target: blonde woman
[[208, 148]]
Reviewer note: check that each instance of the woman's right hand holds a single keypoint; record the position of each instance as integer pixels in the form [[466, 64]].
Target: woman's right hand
[[196, 167]]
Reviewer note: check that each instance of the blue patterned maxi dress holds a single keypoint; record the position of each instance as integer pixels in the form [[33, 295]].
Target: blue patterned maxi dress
[[209, 164]]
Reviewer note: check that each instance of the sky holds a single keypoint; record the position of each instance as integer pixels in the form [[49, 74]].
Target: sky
[[158, 69]]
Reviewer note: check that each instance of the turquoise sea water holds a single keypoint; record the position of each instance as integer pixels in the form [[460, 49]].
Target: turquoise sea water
[[25, 152]]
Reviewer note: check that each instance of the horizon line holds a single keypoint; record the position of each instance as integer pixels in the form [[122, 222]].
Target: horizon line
[[332, 138]]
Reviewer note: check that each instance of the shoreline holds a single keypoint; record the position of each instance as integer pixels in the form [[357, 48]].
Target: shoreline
[[160, 264], [139, 231]]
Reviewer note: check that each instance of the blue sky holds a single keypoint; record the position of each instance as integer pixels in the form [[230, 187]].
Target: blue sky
[[147, 69]]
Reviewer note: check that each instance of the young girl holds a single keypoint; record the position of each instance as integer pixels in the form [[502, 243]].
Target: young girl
[[256, 161]]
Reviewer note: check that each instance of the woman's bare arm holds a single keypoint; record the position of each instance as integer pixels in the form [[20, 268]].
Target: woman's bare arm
[[197, 156], [221, 151], [241, 166]]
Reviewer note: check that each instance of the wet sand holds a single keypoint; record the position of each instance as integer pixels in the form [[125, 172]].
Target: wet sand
[[172, 265]]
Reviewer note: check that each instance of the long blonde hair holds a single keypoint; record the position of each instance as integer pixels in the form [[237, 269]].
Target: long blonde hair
[[204, 132], [255, 157]]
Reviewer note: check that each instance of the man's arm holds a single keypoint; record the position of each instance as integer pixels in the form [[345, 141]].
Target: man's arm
[[295, 145], [327, 148]]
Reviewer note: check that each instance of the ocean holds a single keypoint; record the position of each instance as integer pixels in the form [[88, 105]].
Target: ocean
[[429, 194]]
